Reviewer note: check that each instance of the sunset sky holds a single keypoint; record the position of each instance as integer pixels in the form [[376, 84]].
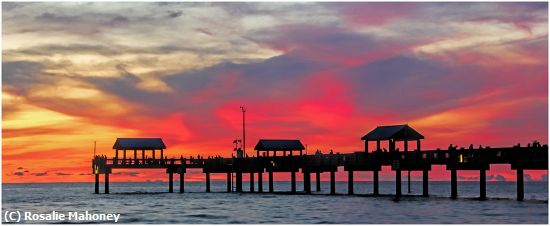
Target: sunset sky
[[324, 73]]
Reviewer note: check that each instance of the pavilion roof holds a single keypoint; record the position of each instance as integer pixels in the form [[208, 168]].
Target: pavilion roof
[[396, 132], [139, 144], [279, 145]]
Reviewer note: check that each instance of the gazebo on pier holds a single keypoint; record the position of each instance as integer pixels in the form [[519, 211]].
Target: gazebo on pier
[[392, 134], [285, 146], [139, 144]]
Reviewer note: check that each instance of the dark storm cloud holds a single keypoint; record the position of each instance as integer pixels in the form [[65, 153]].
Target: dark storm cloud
[[19, 75], [120, 19], [262, 80], [496, 177], [403, 83], [63, 174], [40, 174], [130, 174], [468, 178], [329, 42], [54, 18], [175, 14], [8, 6]]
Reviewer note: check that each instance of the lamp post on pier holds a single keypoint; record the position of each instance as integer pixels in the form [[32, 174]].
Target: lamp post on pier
[[243, 110]]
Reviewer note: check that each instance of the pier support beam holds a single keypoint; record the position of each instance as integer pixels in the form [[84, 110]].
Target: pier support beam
[[350, 182], [293, 182], [207, 182], [170, 182], [425, 183], [307, 182], [375, 182], [454, 190], [97, 183], [332, 183], [260, 182], [318, 181], [482, 184], [228, 182], [519, 182], [239, 179], [251, 182], [270, 181], [106, 183], [182, 182], [397, 184], [409, 182]]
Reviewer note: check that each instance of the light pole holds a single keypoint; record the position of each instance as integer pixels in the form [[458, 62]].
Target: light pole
[[244, 134]]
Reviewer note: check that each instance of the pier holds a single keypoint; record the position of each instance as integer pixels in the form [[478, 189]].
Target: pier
[[287, 156]]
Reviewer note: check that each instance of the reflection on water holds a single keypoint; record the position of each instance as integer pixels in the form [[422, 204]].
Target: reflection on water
[[149, 203]]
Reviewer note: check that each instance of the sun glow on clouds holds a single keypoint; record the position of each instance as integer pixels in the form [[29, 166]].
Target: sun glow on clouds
[[74, 73]]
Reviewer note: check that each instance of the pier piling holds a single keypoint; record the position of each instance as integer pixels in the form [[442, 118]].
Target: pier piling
[[106, 183], [182, 188], [375, 182], [454, 190], [409, 182], [97, 183], [207, 182], [519, 182], [270, 181], [260, 182], [318, 181], [397, 184], [239, 179], [251, 182], [307, 182], [482, 185], [332, 183], [228, 182], [170, 182], [350, 182], [425, 183], [293, 182]]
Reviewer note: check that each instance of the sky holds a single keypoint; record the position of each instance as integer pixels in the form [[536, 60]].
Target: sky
[[325, 73]]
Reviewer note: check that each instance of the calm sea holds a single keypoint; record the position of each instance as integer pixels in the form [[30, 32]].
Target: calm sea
[[149, 203]]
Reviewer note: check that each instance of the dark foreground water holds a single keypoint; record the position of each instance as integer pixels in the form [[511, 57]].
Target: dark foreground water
[[149, 203]]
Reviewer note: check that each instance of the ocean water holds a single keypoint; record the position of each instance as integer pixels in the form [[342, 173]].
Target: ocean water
[[150, 203]]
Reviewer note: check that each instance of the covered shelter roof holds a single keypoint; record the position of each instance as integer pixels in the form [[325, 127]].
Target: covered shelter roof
[[279, 145], [395, 132], [139, 144]]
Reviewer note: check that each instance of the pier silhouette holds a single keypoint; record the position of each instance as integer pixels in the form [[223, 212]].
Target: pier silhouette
[[292, 160]]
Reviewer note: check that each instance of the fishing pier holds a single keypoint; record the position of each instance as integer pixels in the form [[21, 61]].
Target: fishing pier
[[287, 156]]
